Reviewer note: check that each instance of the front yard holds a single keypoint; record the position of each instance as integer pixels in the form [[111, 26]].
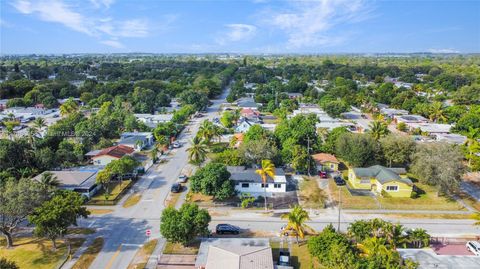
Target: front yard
[[348, 201], [118, 188], [427, 200], [31, 252], [310, 195], [299, 254]]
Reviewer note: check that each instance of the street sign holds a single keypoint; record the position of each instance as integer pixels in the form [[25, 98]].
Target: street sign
[[148, 232]]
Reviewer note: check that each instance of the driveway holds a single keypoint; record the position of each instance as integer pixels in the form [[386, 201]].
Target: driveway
[[472, 189]]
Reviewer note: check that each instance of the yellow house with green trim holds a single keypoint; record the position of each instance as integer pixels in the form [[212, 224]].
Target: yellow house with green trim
[[380, 179]]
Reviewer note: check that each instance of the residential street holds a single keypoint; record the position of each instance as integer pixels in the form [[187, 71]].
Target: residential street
[[124, 230]]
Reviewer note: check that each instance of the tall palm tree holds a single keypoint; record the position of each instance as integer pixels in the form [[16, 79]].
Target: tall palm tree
[[436, 112], [153, 154], [472, 144], [296, 221], [39, 123], [31, 135], [378, 129], [267, 170], [217, 133], [206, 131], [198, 151], [476, 216], [9, 125]]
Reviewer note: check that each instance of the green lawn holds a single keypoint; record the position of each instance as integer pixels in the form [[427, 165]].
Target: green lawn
[[29, 252], [427, 200], [143, 254], [116, 190], [179, 249], [349, 201], [132, 200]]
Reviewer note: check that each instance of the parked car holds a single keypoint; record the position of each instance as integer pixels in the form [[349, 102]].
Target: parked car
[[176, 187], [227, 229], [182, 178], [322, 174], [339, 180], [474, 247], [284, 258], [176, 145]]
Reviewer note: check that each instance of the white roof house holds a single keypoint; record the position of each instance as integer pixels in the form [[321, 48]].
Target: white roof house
[[247, 181], [410, 119], [235, 253], [451, 138], [136, 140], [151, 120], [431, 128], [24, 112], [390, 112]]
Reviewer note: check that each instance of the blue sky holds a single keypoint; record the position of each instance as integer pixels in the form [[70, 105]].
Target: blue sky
[[246, 26]]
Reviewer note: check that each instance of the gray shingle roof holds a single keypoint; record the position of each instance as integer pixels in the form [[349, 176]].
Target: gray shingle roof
[[382, 174]]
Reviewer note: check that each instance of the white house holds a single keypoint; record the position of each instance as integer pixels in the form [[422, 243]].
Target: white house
[[243, 125], [136, 140], [152, 120], [26, 112], [431, 128], [247, 181]]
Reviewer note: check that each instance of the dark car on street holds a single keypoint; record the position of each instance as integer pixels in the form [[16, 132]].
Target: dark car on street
[[176, 187], [227, 229], [339, 181]]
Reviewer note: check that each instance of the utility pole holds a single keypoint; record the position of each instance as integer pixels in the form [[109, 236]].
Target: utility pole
[[339, 208]]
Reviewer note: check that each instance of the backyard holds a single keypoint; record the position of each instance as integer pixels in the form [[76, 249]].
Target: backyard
[[299, 254]]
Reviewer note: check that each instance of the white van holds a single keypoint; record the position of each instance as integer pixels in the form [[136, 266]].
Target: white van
[[474, 247]]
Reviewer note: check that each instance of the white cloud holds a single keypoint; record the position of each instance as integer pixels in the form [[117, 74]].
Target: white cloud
[[309, 23], [55, 11], [106, 29], [102, 3], [113, 43], [237, 32], [443, 51]]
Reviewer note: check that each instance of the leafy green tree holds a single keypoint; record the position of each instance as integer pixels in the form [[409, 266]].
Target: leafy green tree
[[266, 170], [331, 139], [397, 149], [230, 157], [254, 151], [18, 199], [183, 225], [69, 107], [335, 108], [227, 119], [256, 132], [213, 179], [198, 151], [427, 160], [53, 217], [436, 112], [296, 221], [359, 150]]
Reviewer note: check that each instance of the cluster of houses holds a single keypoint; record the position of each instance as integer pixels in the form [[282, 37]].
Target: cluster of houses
[[435, 131], [82, 179]]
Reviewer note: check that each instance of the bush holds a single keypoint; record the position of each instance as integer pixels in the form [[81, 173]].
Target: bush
[[247, 200]]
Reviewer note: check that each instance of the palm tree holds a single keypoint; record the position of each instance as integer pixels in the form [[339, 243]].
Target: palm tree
[[378, 129], [31, 134], [472, 144], [206, 131], [153, 154], [373, 246], [198, 151], [48, 182], [395, 235], [9, 125], [217, 132], [476, 216], [296, 221], [436, 112], [39, 123], [418, 237], [267, 170], [162, 142]]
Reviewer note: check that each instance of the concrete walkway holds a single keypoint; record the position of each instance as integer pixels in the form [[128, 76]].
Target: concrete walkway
[[472, 189]]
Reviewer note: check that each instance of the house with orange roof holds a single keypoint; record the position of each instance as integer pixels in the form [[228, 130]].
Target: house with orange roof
[[326, 162], [105, 156]]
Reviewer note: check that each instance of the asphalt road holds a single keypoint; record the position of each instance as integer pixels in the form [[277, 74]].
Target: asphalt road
[[124, 230]]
